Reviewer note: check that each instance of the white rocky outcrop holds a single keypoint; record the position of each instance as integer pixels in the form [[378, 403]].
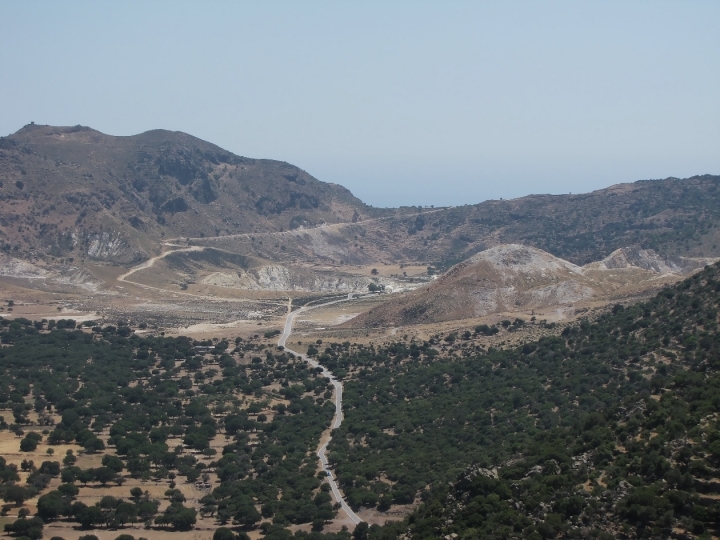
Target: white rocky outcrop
[[112, 247], [12, 267], [517, 258], [275, 277], [647, 259], [61, 274]]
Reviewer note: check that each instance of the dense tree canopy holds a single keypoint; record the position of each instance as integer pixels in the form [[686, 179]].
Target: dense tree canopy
[[611, 426], [148, 392]]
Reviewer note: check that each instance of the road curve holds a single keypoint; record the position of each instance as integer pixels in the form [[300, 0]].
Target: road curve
[[321, 227], [151, 262], [337, 419]]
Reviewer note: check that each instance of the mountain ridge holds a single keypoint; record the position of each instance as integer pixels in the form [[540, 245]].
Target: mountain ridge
[[78, 190], [75, 193]]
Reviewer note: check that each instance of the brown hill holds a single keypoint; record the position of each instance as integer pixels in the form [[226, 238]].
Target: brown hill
[[674, 217], [208, 266], [76, 192], [511, 278]]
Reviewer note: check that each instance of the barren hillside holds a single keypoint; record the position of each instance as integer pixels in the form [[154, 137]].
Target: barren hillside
[[511, 278], [673, 217], [76, 192]]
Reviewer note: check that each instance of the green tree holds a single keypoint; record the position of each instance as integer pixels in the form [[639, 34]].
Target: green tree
[[28, 444], [50, 506], [223, 533], [94, 445], [29, 528], [247, 515], [16, 494], [103, 475], [178, 516], [113, 462]]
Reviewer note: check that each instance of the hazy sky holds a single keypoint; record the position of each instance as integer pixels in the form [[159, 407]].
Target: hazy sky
[[443, 102]]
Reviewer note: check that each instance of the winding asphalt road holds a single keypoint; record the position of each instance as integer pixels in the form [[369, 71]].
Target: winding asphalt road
[[337, 420]]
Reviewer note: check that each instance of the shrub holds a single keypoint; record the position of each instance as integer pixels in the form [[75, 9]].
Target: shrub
[[223, 533], [28, 444]]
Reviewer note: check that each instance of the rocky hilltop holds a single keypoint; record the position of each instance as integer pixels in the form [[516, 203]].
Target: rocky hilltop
[[647, 259], [512, 278]]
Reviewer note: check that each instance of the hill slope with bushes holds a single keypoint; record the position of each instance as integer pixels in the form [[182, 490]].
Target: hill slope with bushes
[[609, 430]]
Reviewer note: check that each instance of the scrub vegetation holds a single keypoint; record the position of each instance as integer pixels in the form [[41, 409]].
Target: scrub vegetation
[[154, 408], [608, 430]]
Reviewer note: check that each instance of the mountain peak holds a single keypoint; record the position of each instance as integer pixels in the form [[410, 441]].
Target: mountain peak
[[76, 184]]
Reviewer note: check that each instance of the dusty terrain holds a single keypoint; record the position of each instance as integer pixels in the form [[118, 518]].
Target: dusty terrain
[[189, 289], [513, 279], [170, 293]]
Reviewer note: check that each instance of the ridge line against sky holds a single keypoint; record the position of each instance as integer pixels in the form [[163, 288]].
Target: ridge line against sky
[[404, 103]]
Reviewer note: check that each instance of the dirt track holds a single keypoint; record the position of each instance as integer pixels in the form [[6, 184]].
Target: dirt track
[[337, 420]]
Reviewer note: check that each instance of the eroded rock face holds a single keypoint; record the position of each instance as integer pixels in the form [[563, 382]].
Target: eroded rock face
[[275, 277], [563, 293], [647, 259], [12, 267], [113, 247], [56, 273]]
